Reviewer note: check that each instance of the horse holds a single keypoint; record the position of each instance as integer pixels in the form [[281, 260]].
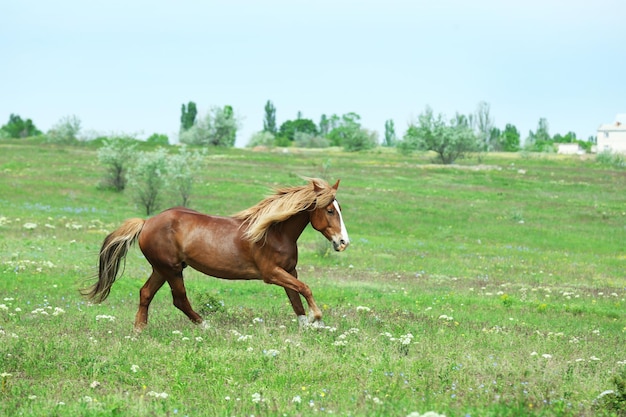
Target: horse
[[258, 243]]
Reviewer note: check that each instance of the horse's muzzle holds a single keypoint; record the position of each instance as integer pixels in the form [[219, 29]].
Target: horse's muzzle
[[340, 244]]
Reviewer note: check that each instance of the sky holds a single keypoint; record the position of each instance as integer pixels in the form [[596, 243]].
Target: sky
[[128, 66]]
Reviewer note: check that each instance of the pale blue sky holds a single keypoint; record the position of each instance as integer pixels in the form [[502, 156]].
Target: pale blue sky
[[127, 66]]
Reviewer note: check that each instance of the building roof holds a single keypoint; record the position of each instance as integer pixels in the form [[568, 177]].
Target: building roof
[[613, 127]]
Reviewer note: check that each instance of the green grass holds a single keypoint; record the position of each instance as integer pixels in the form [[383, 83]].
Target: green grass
[[508, 274]]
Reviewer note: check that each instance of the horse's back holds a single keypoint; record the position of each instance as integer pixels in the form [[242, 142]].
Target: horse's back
[[181, 235]]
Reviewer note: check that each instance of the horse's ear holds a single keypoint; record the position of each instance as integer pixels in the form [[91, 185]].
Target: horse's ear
[[336, 185], [317, 188]]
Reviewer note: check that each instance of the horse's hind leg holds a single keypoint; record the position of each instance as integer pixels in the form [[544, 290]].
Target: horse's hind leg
[[146, 294], [179, 296]]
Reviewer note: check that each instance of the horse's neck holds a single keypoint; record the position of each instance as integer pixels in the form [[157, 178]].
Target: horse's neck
[[294, 226]]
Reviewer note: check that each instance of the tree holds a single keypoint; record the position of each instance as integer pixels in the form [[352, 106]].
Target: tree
[[484, 126], [65, 130], [510, 139], [450, 141], [225, 133], [269, 122], [218, 128], [182, 168], [117, 155], [148, 179], [324, 127], [18, 128], [289, 128], [390, 134], [343, 127], [540, 140], [188, 116]]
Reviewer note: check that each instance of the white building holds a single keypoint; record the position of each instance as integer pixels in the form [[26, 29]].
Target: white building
[[612, 137]]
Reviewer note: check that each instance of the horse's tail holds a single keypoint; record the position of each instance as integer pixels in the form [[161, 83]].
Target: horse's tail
[[113, 250]]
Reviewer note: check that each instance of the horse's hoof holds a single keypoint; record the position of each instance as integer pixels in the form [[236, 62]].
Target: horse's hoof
[[303, 321], [317, 324]]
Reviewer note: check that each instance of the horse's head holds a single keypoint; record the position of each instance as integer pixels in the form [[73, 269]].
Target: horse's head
[[327, 219]]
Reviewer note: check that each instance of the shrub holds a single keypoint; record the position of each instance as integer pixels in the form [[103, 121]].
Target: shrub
[[65, 131], [611, 159], [148, 178], [360, 140], [158, 139], [117, 155], [308, 140], [262, 139], [451, 141], [614, 401], [181, 172]]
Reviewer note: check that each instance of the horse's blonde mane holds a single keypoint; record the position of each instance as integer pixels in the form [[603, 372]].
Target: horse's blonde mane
[[284, 203]]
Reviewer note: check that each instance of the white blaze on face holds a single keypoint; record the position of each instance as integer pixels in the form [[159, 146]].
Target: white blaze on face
[[344, 231]]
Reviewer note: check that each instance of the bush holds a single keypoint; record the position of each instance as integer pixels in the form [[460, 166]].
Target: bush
[[451, 141], [262, 139], [360, 140], [611, 159], [218, 128], [117, 154], [307, 140], [614, 401], [158, 139], [181, 172], [65, 131], [148, 178]]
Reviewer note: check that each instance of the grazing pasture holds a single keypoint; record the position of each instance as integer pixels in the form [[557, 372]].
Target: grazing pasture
[[491, 288]]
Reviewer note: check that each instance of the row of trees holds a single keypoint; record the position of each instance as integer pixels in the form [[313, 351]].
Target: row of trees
[[345, 130], [450, 138]]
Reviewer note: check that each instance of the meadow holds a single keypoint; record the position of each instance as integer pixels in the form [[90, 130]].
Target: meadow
[[495, 287]]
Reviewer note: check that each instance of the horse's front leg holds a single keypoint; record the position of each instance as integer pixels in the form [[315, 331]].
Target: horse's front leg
[[294, 289], [296, 302]]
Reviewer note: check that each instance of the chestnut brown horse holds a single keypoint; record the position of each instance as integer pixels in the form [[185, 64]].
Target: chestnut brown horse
[[257, 243]]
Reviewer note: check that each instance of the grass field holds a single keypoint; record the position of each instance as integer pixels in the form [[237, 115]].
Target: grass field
[[491, 288]]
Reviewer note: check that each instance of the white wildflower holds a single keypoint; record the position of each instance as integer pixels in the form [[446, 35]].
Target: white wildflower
[[363, 308], [158, 394], [134, 368], [30, 226], [271, 352], [296, 399]]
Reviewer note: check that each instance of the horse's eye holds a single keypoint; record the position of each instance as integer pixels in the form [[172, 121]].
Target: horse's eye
[[331, 212]]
